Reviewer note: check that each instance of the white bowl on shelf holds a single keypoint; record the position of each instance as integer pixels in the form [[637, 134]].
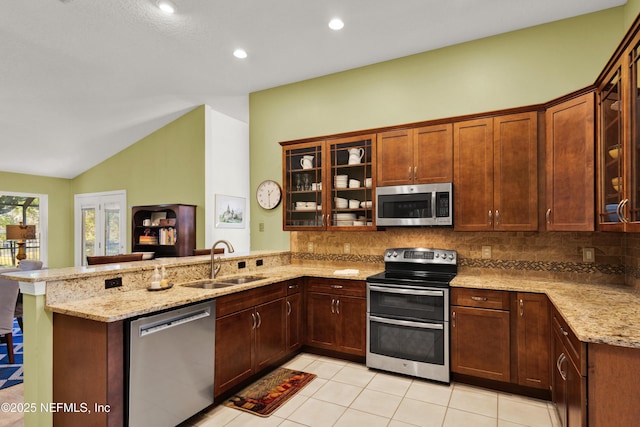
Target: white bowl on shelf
[[354, 204]]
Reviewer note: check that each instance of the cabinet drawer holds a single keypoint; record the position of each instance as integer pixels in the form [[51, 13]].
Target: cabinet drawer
[[575, 348], [293, 286], [242, 300], [355, 288], [481, 298]]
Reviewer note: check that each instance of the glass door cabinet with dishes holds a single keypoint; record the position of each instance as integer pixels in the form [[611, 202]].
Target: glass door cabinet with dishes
[[329, 184], [619, 142]]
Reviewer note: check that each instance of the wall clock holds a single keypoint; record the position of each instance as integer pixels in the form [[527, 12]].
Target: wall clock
[[269, 194]]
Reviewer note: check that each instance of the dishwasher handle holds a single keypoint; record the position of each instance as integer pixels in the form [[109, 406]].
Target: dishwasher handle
[[152, 328]]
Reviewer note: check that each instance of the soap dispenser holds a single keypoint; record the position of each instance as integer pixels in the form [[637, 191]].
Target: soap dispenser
[[155, 279], [164, 281]]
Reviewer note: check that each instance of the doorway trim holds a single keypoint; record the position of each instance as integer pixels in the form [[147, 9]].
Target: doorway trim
[[78, 199]]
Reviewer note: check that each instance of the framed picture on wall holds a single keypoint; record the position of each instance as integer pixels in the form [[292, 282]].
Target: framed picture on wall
[[230, 211]]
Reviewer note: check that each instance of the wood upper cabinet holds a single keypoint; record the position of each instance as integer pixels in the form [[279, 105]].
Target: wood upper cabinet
[[325, 184], [336, 315], [473, 175], [618, 152], [480, 336], [415, 156], [570, 165], [532, 337], [495, 173]]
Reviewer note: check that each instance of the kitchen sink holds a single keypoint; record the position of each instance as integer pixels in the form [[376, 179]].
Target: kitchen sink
[[225, 283]]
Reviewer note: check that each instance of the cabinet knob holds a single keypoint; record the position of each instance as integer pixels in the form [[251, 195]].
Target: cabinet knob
[[521, 308], [336, 286], [479, 298], [490, 217], [497, 217], [548, 216]]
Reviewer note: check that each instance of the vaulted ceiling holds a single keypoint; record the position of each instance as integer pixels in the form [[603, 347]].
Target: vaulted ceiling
[[81, 80]]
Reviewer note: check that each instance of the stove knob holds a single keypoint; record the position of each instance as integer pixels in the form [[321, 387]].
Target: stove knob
[[395, 254], [389, 254], [437, 255], [451, 257]]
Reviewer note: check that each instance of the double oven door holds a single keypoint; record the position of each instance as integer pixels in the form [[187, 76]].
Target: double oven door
[[408, 330]]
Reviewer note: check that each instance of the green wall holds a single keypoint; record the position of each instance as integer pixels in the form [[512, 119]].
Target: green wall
[[165, 167], [520, 68], [60, 219]]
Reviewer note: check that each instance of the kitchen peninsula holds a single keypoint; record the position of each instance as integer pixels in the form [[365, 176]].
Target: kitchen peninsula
[[602, 317]]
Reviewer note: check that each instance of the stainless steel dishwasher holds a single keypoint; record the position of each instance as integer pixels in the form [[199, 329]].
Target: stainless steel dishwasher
[[171, 365]]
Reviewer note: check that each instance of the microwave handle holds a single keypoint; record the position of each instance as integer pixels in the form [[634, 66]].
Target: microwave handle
[[434, 206]]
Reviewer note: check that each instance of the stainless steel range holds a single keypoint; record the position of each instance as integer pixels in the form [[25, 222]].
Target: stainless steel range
[[408, 313]]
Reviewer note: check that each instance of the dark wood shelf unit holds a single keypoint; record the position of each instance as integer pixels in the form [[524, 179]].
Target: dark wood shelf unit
[[184, 230]]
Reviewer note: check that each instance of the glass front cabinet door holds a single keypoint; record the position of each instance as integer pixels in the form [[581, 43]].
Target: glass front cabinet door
[[351, 183], [619, 144], [611, 152], [329, 184], [303, 186]]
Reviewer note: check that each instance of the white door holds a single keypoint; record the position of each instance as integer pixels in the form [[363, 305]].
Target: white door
[[100, 225]]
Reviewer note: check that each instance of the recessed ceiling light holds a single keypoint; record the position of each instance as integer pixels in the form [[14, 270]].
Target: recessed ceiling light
[[336, 24], [240, 53], [166, 6]]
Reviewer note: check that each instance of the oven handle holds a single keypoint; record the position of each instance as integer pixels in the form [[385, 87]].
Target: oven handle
[[406, 323], [407, 291]]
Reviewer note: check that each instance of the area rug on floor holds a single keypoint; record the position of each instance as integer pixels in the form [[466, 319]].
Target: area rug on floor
[[270, 392], [11, 374]]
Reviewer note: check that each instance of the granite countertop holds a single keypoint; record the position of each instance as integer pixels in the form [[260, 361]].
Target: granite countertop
[[605, 314], [123, 305]]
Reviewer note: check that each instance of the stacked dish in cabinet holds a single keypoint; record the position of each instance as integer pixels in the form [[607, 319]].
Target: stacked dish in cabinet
[[352, 182]]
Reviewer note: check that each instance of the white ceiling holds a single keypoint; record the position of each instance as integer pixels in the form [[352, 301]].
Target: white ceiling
[[81, 80]]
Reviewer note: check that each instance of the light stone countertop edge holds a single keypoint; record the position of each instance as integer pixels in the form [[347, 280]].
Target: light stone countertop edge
[[604, 314]]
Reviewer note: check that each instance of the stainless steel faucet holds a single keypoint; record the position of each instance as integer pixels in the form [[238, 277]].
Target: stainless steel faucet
[[215, 268]]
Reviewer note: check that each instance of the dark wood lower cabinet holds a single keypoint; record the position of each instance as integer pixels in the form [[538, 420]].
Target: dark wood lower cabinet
[[480, 343], [251, 333], [613, 385], [336, 315], [234, 350], [532, 337], [271, 334], [88, 366], [502, 337], [569, 380], [294, 322]]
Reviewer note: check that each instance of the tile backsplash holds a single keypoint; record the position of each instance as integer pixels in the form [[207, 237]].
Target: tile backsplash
[[552, 255]]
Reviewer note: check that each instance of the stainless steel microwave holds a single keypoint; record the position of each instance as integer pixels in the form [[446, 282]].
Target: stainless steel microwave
[[415, 205]]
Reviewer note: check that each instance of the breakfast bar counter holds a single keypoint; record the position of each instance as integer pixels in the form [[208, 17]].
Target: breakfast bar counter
[[603, 314]]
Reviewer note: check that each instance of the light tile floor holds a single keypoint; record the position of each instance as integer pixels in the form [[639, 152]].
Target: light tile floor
[[347, 394]]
